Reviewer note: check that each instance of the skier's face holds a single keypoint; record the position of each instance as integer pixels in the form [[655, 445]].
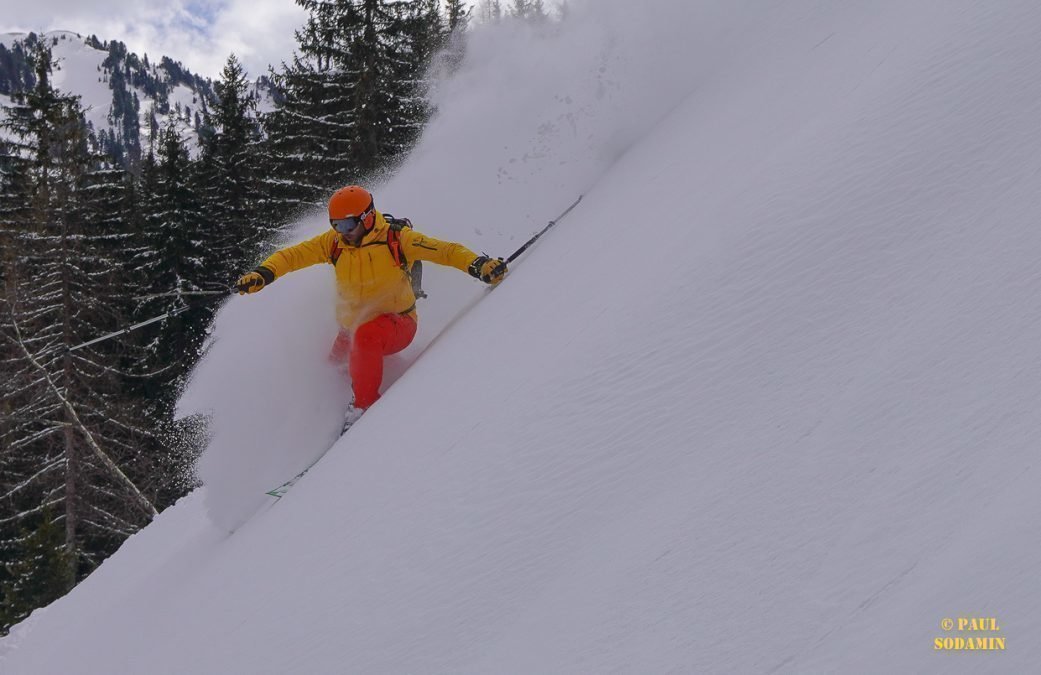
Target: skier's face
[[354, 237], [351, 230]]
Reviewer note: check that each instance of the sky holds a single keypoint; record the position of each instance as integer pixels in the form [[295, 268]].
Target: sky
[[198, 33]]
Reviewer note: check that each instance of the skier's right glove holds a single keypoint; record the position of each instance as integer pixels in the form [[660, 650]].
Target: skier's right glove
[[489, 270], [254, 281]]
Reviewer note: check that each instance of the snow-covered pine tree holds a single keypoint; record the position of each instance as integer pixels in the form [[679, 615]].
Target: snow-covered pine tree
[[65, 424], [36, 570], [353, 95], [519, 8], [16, 73], [125, 117], [457, 20], [308, 133], [164, 263], [489, 11], [537, 12], [423, 35], [236, 228], [457, 15], [394, 46], [170, 266], [160, 468], [532, 11], [17, 519]]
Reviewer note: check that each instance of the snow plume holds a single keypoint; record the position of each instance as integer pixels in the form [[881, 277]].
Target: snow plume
[[273, 401], [529, 121], [536, 114]]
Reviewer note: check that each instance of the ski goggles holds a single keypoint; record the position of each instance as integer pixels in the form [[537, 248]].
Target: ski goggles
[[346, 225]]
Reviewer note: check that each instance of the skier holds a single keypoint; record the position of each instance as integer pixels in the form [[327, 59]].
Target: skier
[[376, 300]]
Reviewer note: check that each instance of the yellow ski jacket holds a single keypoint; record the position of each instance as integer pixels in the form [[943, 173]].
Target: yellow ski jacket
[[368, 281]]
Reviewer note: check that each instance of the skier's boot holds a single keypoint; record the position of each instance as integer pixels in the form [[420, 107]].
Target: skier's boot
[[353, 414]]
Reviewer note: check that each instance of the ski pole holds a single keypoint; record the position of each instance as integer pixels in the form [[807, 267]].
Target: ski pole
[[553, 222], [223, 291], [216, 295]]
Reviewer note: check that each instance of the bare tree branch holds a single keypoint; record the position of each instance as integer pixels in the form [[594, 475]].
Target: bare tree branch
[[116, 471]]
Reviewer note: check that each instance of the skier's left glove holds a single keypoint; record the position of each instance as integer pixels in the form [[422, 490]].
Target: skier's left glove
[[489, 270]]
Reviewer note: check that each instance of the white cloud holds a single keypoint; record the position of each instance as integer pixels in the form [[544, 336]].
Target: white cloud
[[199, 33]]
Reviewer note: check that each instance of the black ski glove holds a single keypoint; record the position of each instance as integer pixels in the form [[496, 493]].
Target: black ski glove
[[489, 270], [254, 281]]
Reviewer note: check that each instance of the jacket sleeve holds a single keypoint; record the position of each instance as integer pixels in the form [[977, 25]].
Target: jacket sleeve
[[418, 246], [306, 253]]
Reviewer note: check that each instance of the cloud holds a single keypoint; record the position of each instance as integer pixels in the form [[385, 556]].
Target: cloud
[[199, 33]]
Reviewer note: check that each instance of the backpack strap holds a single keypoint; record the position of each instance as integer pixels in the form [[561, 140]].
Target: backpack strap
[[394, 238], [414, 271], [394, 244]]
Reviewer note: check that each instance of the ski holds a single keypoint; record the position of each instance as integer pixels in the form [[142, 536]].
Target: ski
[[282, 489]]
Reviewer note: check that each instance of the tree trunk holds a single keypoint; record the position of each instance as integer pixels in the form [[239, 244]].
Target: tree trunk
[[71, 471], [72, 468]]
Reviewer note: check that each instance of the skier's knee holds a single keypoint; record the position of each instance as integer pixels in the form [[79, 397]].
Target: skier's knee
[[368, 336]]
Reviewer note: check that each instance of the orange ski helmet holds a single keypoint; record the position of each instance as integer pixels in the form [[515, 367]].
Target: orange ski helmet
[[350, 205]]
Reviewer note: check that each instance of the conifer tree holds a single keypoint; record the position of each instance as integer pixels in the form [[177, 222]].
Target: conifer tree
[[489, 11], [424, 34], [309, 131], [61, 225], [532, 11], [457, 20], [37, 571], [171, 267], [457, 15], [537, 12], [295, 154], [354, 95], [234, 222], [519, 8], [168, 263]]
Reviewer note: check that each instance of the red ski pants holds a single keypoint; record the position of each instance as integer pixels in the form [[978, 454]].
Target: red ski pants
[[363, 352]]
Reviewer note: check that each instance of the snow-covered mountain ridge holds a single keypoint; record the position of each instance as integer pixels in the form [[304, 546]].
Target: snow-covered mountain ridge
[[126, 98], [766, 402]]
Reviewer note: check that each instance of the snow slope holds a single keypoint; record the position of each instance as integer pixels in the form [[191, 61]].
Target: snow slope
[[765, 402]]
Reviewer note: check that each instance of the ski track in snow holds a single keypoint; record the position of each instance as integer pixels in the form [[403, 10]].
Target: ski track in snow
[[765, 402]]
